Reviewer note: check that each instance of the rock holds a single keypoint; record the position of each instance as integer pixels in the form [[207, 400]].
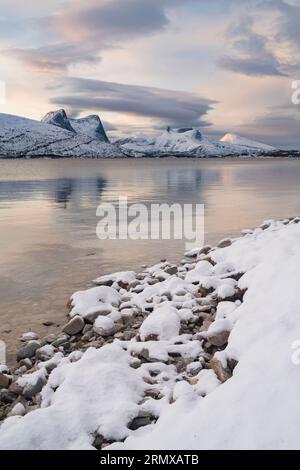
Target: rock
[[30, 335], [222, 373], [15, 388], [91, 317], [28, 351], [219, 338], [18, 410], [44, 353], [49, 339], [74, 326], [31, 390], [48, 323], [194, 368], [172, 270], [153, 393], [4, 381], [26, 362], [143, 419], [206, 324], [21, 370], [128, 335], [60, 341], [224, 243], [104, 326], [7, 397], [87, 328]]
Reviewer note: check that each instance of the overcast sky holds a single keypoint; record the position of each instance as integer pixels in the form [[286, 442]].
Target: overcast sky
[[221, 65]]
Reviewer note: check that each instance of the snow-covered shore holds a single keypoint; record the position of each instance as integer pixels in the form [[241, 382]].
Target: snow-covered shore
[[194, 356]]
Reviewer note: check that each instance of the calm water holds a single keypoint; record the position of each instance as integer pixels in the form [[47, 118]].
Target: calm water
[[48, 220]]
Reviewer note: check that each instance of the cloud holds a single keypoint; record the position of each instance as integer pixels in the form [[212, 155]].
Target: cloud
[[175, 108], [79, 32], [262, 41], [250, 66], [53, 58]]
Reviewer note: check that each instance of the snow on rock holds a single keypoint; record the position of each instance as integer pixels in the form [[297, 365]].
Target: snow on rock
[[30, 335], [93, 302], [25, 138], [122, 278], [163, 322], [104, 326], [103, 381]]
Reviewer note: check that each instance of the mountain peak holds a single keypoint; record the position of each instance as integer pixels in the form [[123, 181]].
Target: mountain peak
[[58, 118]]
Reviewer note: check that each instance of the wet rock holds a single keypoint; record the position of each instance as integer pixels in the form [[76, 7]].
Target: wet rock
[[4, 381], [74, 326], [28, 351]]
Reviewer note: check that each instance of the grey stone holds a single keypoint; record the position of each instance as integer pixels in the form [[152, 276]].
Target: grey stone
[[28, 350], [74, 326]]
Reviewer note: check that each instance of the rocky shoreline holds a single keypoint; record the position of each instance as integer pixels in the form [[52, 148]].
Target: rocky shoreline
[[171, 323]]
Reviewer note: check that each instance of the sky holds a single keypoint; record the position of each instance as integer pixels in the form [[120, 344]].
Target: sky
[[142, 65]]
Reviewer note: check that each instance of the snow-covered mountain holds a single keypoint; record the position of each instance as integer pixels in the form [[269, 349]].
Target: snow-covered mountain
[[190, 142], [55, 136]]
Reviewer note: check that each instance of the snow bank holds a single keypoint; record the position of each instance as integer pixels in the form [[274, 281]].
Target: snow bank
[[258, 408]]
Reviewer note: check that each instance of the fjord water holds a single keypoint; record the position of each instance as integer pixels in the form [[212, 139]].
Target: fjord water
[[49, 247]]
